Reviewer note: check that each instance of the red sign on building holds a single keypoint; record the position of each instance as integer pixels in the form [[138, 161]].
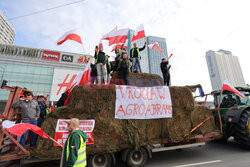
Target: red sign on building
[[50, 55]]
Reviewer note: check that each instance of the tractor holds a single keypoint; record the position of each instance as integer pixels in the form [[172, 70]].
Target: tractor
[[234, 115]]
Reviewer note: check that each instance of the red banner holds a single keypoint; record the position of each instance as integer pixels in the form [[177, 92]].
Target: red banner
[[50, 55], [62, 133]]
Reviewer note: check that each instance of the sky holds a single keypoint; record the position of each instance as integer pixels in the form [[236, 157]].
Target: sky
[[191, 27]]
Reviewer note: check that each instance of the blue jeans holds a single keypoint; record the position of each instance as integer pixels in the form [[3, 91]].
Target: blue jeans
[[33, 135], [136, 61]]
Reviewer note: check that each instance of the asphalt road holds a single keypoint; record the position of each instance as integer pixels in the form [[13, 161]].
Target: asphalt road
[[213, 154]]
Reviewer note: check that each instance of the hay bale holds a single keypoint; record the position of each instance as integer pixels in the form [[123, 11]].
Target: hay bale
[[139, 79], [182, 97], [199, 114]]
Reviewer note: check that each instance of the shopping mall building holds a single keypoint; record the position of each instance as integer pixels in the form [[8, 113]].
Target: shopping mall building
[[39, 70]]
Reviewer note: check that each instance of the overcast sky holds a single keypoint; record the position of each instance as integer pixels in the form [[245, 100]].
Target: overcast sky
[[191, 27]]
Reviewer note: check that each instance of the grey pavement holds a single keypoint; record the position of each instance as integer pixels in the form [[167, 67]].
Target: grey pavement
[[213, 154]]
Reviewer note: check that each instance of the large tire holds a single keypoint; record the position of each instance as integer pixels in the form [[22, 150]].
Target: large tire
[[242, 129], [100, 160], [137, 158]]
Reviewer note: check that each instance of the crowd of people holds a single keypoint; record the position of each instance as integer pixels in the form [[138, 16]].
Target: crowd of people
[[102, 67]]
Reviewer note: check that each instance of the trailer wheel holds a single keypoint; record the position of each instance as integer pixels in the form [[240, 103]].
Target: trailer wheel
[[242, 133], [100, 160], [137, 158]]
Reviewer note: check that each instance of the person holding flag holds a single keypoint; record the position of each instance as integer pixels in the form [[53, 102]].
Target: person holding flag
[[135, 56]]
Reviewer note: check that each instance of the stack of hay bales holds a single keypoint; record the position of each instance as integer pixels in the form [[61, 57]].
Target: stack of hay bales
[[98, 102]]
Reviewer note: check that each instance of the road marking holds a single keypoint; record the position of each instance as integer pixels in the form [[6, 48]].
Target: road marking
[[199, 163]]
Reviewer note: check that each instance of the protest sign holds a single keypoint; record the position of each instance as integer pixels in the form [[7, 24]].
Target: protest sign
[[143, 102]]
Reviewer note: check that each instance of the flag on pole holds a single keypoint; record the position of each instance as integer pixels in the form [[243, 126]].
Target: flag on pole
[[229, 87], [81, 79], [116, 36], [139, 33], [74, 35], [151, 46], [20, 129]]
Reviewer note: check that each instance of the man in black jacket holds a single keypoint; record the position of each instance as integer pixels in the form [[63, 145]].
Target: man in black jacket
[[100, 61], [165, 71], [123, 68], [135, 56]]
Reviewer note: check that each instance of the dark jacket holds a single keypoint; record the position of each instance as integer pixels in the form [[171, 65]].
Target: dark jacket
[[29, 109], [62, 99], [42, 107], [93, 72], [100, 57], [74, 145], [164, 67], [135, 52], [108, 66], [123, 64]]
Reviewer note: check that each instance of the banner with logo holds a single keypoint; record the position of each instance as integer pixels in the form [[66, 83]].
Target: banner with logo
[[51, 56], [62, 133], [62, 79], [143, 102]]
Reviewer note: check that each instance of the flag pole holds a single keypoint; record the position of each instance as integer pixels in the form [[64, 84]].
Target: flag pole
[[219, 111]]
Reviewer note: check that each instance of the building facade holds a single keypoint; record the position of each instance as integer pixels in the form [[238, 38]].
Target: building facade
[[222, 65], [150, 59], [39, 70], [7, 32]]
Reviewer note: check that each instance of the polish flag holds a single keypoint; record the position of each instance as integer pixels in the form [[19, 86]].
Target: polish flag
[[20, 129], [229, 87], [151, 46], [117, 36], [81, 79], [139, 32], [74, 35], [107, 36]]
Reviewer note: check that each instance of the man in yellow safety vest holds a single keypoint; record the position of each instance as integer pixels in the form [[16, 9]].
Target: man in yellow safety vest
[[135, 56], [74, 152]]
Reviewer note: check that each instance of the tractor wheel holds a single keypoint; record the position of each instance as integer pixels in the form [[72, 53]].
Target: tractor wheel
[[242, 129], [137, 158], [100, 160]]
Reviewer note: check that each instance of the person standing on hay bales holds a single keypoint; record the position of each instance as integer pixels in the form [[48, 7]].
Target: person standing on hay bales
[[135, 56], [123, 68], [100, 61], [74, 151], [165, 71], [30, 113]]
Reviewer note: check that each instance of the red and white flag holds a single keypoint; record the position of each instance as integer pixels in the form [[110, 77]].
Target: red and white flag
[[20, 129], [81, 79], [107, 36], [74, 35], [139, 32], [117, 36], [151, 46], [229, 87]]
